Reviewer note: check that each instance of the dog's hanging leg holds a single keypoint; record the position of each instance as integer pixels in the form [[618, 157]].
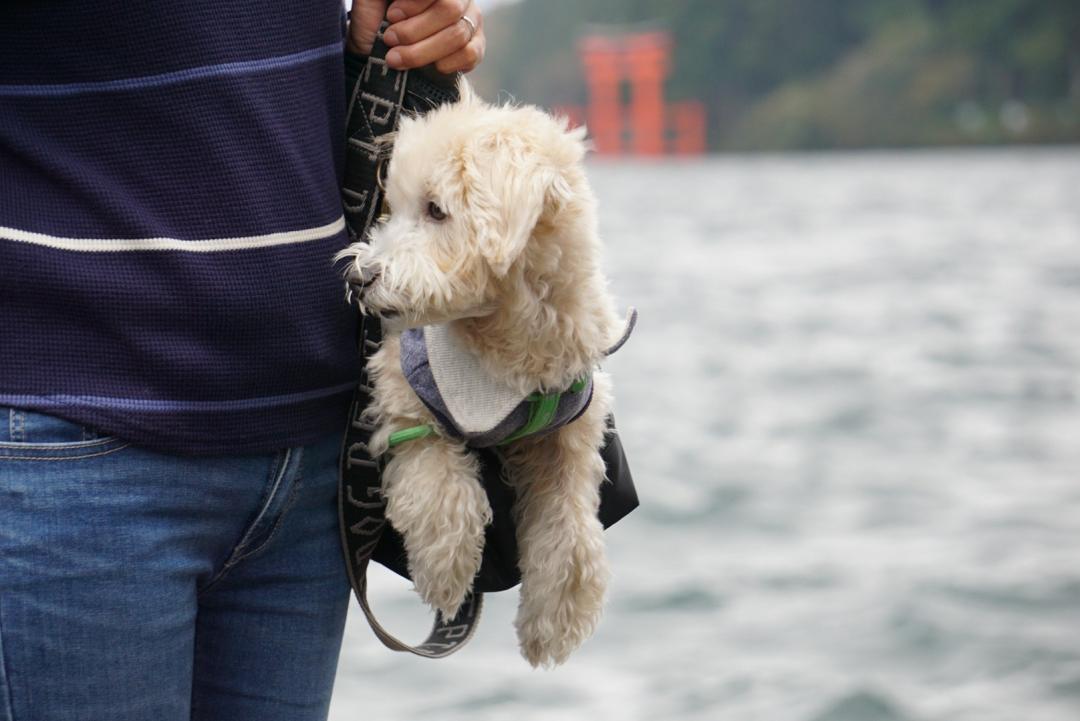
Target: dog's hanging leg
[[435, 501], [563, 563]]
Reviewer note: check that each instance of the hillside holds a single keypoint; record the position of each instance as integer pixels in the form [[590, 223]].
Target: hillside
[[786, 74]]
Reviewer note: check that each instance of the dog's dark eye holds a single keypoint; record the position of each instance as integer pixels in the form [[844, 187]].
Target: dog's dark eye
[[435, 212]]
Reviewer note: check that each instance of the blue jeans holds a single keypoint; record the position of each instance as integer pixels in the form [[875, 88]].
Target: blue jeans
[[138, 586]]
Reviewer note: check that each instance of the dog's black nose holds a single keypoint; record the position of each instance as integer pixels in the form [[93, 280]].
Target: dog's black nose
[[360, 278], [357, 279], [367, 276]]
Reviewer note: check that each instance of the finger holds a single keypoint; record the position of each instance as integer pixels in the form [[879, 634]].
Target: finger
[[364, 24], [401, 9], [442, 44], [441, 14], [465, 59]]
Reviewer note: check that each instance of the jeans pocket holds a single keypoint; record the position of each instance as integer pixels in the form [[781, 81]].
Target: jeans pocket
[[31, 435]]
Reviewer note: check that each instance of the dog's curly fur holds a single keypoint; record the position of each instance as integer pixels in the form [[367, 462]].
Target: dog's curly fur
[[513, 268]]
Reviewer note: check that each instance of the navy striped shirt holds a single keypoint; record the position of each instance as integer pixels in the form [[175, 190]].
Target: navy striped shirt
[[169, 211]]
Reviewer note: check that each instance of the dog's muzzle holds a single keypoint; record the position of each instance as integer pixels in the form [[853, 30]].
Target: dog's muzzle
[[357, 281]]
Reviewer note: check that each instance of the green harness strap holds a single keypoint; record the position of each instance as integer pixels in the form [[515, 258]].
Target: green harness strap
[[542, 408], [410, 434]]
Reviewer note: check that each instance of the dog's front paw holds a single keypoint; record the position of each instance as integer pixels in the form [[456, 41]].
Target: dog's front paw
[[558, 613], [444, 577], [437, 504]]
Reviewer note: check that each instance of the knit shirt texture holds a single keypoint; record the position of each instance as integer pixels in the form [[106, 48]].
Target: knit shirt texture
[[169, 212]]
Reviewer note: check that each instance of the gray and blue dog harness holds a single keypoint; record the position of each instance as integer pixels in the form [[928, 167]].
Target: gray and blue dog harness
[[471, 405]]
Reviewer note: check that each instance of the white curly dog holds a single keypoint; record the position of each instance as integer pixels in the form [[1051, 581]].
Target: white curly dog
[[492, 237]]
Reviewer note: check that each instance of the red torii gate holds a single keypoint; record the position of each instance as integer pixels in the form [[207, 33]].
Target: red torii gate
[[641, 58]]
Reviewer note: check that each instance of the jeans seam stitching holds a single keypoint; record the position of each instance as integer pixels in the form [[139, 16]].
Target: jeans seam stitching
[[121, 447], [89, 443], [278, 522], [17, 426], [278, 475]]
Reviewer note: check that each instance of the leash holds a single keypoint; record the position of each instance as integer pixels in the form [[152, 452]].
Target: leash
[[377, 97]]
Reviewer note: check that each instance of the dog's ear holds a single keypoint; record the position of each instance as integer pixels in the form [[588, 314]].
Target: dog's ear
[[525, 183], [524, 192]]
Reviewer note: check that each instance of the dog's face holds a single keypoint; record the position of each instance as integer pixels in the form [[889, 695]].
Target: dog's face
[[466, 186]]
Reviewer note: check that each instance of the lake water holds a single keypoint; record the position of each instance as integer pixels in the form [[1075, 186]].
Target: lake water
[[852, 408]]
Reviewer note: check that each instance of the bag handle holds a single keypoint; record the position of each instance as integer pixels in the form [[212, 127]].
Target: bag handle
[[362, 520], [376, 98]]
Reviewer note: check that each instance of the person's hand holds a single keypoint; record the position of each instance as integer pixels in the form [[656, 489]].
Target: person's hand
[[422, 32]]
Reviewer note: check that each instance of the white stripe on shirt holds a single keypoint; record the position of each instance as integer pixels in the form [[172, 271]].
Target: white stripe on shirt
[[108, 245]]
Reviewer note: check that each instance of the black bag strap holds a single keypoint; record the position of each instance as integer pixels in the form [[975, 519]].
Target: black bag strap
[[363, 521], [377, 96]]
